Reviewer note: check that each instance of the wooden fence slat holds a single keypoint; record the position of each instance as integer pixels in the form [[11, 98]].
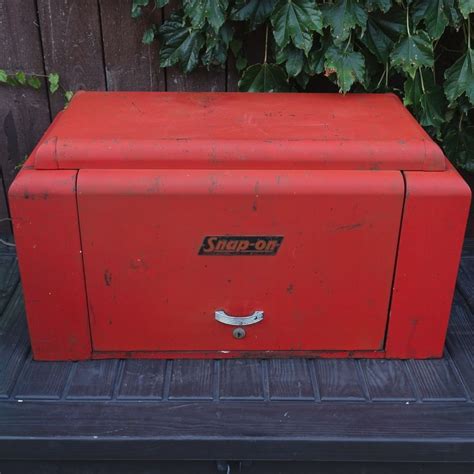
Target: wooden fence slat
[[200, 79], [129, 64], [5, 227], [72, 45], [24, 112]]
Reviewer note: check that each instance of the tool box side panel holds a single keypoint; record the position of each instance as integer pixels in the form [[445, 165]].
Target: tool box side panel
[[433, 227], [44, 210]]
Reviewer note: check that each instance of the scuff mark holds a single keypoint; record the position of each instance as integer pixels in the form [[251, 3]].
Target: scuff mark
[[107, 278], [348, 227], [213, 185]]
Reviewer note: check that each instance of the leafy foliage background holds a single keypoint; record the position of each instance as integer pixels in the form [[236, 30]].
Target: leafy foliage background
[[420, 49]]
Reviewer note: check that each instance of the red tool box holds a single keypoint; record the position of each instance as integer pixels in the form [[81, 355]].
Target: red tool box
[[237, 225]]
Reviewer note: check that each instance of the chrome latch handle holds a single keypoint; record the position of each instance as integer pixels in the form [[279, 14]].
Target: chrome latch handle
[[225, 318]]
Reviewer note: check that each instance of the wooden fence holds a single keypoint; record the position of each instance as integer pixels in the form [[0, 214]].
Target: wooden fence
[[91, 44]]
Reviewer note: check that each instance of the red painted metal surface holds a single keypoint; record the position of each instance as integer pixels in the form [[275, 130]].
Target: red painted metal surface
[[238, 131], [434, 221], [336, 216], [141, 234], [46, 228]]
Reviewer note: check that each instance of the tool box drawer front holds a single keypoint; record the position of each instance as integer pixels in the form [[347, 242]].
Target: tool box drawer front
[[164, 250]]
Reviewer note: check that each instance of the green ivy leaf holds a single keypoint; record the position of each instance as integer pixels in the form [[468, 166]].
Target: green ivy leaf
[[34, 82], [383, 5], [426, 99], [343, 16], [180, 44], [317, 55], [433, 13], [466, 7], [413, 52], [295, 21], [161, 3], [293, 58], [217, 46], [453, 14], [20, 77], [348, 65], [149, 35], [68, 95], [459, 146], [255, 12], [433, 106], [3, 76], [137, 6], [302, 80], [460, 78], [241, 63], [53, 80], [383, 31], [198, 11], [264, 78]]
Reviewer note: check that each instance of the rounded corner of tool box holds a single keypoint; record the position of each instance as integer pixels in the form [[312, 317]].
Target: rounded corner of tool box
[[45, 156]]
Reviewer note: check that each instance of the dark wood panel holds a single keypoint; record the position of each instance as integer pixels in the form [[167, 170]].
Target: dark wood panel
[[339, 379], [42, 380], [5, 226], [466, 280], [93, 379], [387, 380], [14, 343], [289, 379], [462, 352], [72, 45], [24, 112], [436, 380], [129, 64], [142, 379], [460, 345], [213, 467], [200, 80], [191, 379], [241, 379], [9, 278], [247, 430]]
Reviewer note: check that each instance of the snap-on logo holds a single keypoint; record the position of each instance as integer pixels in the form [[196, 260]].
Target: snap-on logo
[[240, 245]]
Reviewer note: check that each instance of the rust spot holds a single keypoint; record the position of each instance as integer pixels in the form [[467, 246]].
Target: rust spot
[[290, 289], [254, 205], [107, 278]]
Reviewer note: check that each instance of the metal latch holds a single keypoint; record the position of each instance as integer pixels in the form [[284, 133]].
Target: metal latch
[[225, 318], [238, 333]]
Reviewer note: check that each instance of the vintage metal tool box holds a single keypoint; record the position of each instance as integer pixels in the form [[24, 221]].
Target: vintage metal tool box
[[237, 225]]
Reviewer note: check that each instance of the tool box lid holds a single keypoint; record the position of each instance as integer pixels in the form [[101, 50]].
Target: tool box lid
[[153, 130]]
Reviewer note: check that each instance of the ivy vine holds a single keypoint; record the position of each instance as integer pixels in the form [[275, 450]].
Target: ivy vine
[[34, 81], [420, 49]]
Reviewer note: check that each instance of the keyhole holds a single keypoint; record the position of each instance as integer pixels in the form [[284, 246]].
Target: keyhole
[[238, 333]]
